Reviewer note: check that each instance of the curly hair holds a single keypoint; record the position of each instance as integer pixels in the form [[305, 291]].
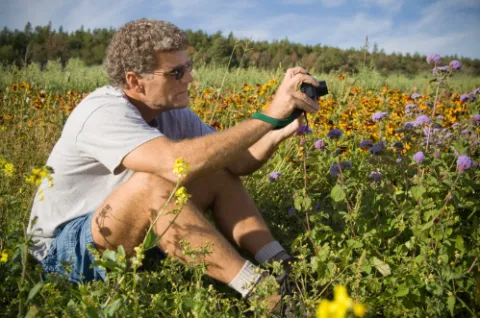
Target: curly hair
[[134, 47]]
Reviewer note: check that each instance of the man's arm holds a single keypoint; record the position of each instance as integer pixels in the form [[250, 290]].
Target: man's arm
[[251, 160], [216, 151], [203, 154]]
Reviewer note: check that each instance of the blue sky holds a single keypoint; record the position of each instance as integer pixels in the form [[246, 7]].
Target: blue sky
[[446, 27]]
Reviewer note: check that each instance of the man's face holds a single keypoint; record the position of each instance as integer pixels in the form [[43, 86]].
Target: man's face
[[163, 91]]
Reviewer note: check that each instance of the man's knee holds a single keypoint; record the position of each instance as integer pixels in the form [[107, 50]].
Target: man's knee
[[151, 183], [206, 189]]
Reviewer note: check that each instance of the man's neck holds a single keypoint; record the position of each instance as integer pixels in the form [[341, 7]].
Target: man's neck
[[147, 113]]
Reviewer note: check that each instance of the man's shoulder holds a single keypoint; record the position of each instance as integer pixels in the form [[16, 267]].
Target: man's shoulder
[[103, 97], [106, 93]]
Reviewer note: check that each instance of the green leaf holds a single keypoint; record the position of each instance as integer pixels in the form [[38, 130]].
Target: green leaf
[[150, 240], [428, 225], [451, 304], [459, 244], [34, 291], [354, 244], [307, 203], [109, 255], [113, 307], [461, 146], [382, 267], [417, 192], [337, 194], [402, 290], [32, 312], [298, 203]]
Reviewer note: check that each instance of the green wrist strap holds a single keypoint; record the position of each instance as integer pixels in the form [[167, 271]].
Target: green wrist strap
[[277, 123]]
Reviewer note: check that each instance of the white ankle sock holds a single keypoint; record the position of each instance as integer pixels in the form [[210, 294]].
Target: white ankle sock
[[269, 251], [245, 279]]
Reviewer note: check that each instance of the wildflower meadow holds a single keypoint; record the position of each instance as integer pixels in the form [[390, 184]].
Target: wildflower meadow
[[377, 196]]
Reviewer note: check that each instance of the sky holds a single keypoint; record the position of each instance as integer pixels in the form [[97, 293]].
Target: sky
[[446, 27]]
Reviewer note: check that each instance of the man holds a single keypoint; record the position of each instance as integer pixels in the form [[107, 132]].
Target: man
[[113, 165]]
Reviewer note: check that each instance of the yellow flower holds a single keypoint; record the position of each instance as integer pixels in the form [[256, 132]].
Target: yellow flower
[[8, 169], [341, 297], [339, 306], [359, 310], [4, 256], [323, 309], [182, 196], [180, 167], [38, 174]]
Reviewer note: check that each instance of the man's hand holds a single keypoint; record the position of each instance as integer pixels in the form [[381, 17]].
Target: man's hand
[[289, 98], [280, 135]]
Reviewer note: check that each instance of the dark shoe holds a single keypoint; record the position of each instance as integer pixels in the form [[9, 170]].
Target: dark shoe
[[279, 303]]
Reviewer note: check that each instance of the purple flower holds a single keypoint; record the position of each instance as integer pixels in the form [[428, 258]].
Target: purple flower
[[440, 117], [456, 125], [367, 143], [415, 96], [476, 119], [375, 176], [476, 91], [455, 65], [433, 58], [335, 133], [440, 69], [379, 116], [433, 131], [274, 176], [463, 162], [467, 97], [303, 130], [291, 211], [319, 144], [377, 148], [436, 154], [398, 160], [465, 132], [410, 108], [409, 125], [422, 119], [419, 157], [336, 167]]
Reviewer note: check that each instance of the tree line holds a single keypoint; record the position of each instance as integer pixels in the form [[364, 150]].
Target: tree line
[[43, 43]]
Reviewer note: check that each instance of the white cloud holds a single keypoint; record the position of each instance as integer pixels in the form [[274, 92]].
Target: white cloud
[[326, 3], [390, 6], [97, 14], [332, 3]]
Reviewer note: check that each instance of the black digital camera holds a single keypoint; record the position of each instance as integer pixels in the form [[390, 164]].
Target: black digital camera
[[314, 92]]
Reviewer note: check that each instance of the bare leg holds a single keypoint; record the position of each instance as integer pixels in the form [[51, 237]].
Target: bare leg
[[127, 213], [233, 209]]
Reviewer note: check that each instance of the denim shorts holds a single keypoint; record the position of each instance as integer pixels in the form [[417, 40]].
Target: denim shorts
[[69, 249]]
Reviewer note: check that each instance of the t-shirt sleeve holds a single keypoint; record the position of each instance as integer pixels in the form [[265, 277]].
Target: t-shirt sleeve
[[194, 126], [113, 131]]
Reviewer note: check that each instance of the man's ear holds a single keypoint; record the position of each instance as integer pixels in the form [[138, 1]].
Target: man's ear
[[133, 82]]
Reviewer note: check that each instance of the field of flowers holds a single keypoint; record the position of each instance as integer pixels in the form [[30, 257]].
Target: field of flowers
[[378, 198]]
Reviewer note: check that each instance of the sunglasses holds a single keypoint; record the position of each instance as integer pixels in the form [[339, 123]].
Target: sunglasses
[[177, 71]]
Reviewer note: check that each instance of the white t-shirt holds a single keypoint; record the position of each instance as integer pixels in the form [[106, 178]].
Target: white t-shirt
[[98, 134]]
